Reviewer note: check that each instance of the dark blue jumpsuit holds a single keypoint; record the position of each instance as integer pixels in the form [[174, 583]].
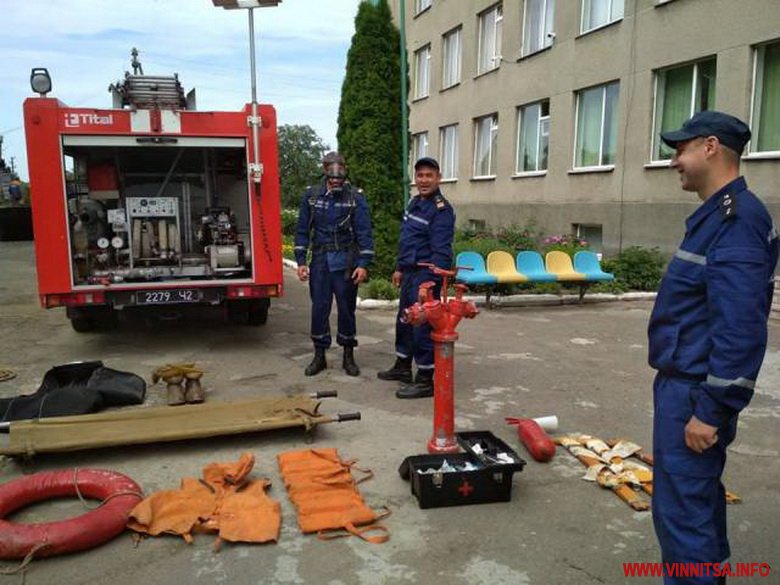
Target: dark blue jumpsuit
[[338, 229], [426, 236], [707, 337]]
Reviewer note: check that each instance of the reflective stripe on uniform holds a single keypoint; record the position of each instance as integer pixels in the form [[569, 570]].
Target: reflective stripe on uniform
[[723, 382], [690, 257], [417, 218], [369, 252], [772, 233]]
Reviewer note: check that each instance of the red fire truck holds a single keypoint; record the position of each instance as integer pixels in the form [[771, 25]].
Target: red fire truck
[[152, 202]]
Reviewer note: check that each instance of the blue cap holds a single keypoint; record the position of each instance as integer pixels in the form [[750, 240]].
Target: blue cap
[[426, 161], [731, 131]]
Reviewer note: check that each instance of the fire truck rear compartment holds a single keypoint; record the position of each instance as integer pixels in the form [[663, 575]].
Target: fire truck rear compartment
[[157, 210]]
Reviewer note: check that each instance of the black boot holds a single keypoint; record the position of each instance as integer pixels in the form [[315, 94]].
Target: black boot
[[348, 363], [318, 363], [422, 387], [400, 371]]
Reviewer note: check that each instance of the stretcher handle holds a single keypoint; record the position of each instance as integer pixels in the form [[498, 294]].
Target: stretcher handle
[[324, 394], [347, 416]]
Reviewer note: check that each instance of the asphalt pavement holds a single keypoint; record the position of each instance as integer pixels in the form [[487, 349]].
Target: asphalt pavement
[[587, 364]]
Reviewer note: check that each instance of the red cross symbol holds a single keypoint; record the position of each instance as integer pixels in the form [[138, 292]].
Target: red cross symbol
[[465, 489]]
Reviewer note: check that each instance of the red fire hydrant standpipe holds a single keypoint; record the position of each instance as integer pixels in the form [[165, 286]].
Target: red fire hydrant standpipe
[[443, 316]]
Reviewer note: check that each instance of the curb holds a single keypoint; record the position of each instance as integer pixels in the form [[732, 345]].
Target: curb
[[541, 300]]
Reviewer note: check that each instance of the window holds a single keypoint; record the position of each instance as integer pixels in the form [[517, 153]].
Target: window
[[451, 58], [592, 234], [485, 140], [421, 5], [422, 59], [597, 13], [596, 126], [538, 25], [448, 155], [766, 99], [489, 56], [533, 137], [419, 146], [680, 92]]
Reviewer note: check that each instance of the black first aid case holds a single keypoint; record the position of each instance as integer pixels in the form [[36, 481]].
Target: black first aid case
[[481, 475]]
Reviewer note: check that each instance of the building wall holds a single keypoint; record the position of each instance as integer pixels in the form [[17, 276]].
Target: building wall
[[635, 203]]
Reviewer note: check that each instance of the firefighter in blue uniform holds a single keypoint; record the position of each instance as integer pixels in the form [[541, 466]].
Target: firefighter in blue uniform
[[426, 236], [707, 337], [334, 221]]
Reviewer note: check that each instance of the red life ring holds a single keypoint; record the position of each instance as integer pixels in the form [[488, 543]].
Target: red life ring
[[119, 492]]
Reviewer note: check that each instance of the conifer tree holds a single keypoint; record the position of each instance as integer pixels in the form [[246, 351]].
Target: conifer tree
[[369, 125]]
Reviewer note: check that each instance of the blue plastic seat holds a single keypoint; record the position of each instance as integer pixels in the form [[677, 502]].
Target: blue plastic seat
[[588, 264], [478, 274], [531, 264]]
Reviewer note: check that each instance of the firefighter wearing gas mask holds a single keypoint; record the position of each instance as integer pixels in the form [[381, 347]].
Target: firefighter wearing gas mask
[[335, 224]]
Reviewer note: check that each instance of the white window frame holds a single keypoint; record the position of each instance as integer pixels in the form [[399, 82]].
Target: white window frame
[[598, 167], [421, 6], [537, 171], [656, 138], [755, 105], [497, 12], [447, 173], [422, 58], [420, 146], [447, 55], [491, 155], [587, 6], [547, 36]]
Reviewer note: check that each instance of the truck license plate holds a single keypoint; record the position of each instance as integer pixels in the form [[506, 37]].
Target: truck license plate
[[167, 297]]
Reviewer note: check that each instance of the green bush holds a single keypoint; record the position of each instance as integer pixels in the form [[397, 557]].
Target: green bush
[[482, 245], [287, 247], [519, 238], [637, 268], [378, 288], [289, 221]]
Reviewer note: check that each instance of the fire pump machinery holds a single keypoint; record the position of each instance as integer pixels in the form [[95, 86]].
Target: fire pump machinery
[[152, 202]]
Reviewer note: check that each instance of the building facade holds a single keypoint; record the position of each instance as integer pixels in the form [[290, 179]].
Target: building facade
[[548, 111]]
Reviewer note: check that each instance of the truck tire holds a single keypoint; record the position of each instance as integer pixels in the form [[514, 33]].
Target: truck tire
[[81, 324], [237, 311], [258, 311], [87, 319]]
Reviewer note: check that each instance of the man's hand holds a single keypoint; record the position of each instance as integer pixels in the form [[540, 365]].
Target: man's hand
[[303, 273], [700, 436], [359, 275], [396, 279]]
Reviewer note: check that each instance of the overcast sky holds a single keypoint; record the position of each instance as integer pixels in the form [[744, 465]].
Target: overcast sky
[[85, 44]]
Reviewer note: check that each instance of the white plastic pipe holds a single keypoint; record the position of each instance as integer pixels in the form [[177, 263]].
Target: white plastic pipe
[[548, 423]]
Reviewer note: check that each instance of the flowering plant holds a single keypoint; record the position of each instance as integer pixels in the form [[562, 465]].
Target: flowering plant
[[565, 243]]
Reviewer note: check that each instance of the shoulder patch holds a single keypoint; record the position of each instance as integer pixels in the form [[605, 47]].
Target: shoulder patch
[[441, 202], [728, 206]]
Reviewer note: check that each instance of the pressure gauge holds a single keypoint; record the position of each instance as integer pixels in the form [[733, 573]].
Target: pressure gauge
[[103, 243], [117, 242]]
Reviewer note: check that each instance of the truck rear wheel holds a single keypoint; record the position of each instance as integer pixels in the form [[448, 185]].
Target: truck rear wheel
[[86, 319], [258, 311]]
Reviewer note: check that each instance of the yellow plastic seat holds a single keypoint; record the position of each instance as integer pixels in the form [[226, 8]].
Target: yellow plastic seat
[[502, 265], [559, 263]]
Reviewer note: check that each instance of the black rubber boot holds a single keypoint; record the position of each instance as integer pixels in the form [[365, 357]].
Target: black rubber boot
[[318, 363], [422, 387], [348, 363], [400, 371]]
